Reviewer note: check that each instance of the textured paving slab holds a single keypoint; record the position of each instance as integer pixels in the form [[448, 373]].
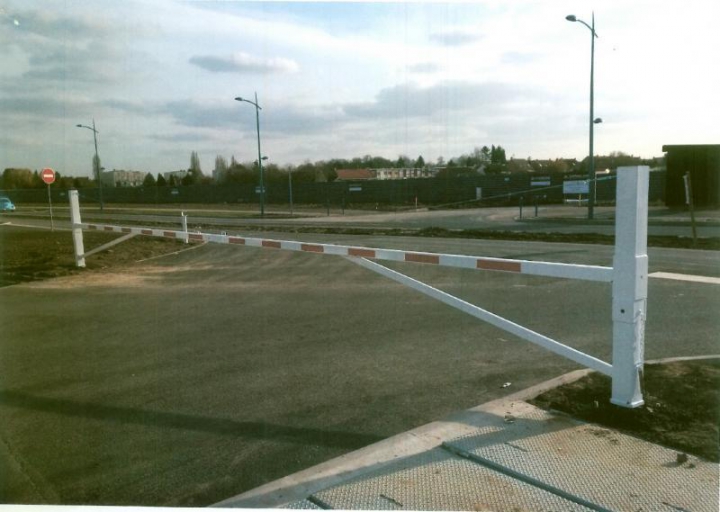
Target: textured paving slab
[[439, 480], [505, 455], [303, 505], [615, 471]]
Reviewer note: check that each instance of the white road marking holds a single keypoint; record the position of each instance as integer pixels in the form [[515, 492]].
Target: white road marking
[[686, 277], [16, 225]]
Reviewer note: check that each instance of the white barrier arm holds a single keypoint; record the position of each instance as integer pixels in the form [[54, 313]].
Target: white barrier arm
[[629, 289], [537, 268]]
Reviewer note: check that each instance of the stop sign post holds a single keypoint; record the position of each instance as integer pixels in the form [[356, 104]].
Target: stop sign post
[[48, 176]]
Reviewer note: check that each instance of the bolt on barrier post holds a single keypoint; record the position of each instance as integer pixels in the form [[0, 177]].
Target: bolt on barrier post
[[629, 288], [77, 229]]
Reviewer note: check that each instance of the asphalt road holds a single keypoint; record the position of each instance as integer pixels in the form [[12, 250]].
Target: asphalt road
[[192, 378], [550, 219]]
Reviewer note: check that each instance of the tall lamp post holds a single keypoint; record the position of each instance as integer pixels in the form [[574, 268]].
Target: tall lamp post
[[96, 162], [260, 159], [593, 121], [290, 190]]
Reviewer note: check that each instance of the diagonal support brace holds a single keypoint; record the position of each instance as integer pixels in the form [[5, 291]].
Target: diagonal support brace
[[486, 316]]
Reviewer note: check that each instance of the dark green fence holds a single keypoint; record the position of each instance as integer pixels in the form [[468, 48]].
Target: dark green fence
[[495, 190]]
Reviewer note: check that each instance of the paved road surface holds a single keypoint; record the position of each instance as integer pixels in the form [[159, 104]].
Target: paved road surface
[[554, 219], [192, 378]]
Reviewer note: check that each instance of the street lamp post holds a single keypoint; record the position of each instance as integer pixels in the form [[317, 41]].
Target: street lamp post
[[96, 162], [591, 167], [290, 190], [260, 159]]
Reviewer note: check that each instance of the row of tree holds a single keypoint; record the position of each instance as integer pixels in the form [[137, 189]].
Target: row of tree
[[487, 160], [19, 178]]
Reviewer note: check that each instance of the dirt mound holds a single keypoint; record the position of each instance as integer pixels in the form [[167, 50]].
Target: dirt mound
[[681, 411]]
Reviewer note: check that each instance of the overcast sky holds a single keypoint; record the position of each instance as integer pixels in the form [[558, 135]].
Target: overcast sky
[[349, 79]]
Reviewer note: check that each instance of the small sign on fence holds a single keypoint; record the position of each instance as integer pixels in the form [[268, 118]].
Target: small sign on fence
[[574, 187]]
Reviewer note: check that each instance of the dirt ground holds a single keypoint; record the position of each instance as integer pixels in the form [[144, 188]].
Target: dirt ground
[[681, 411], [682, 398], [37, 254]]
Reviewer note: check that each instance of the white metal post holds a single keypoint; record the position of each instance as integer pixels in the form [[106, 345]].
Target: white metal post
[[629, 288], [77, 229], [183, 219]]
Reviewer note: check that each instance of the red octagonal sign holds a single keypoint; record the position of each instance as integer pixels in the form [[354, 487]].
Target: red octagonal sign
[[48, 175]]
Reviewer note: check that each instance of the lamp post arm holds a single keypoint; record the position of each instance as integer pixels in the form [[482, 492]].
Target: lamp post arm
[[254, 104], [592, 30]]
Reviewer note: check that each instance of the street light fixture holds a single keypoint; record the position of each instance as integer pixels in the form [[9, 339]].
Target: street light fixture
[[96, 162], [260, 158], [593, 121]]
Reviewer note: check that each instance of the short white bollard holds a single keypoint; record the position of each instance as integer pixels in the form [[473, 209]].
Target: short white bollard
[[629, 290], [183, 220], [77, 229]]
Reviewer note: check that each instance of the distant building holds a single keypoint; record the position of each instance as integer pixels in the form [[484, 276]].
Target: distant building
[[515, 165], [702, 161], [120, 178], [355, 174], [219, 175], [405, 173]]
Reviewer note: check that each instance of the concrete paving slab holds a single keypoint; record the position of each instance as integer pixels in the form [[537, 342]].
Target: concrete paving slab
[[503, 455], [303, 505], [604, 467], [439, 480]]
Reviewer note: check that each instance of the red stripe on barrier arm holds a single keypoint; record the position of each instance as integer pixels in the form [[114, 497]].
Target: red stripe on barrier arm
[[236, 240], [92, 227], [312, 248], [169, 234], [108, 228], [422, 258], [272, 244], [363, 253], [505, 266], [126, 230], [146, 231], [195, 236]]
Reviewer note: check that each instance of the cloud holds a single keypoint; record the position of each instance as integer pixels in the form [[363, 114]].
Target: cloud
[[244, 63], [182, 137], [424, 67], [132, 108], [411, 101], [518, 58], [49, 50], [46, 24], [44, 106], [199, 115], [455, 37], [274, 119]]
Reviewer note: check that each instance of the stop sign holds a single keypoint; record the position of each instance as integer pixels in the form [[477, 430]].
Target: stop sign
[[48, 175]]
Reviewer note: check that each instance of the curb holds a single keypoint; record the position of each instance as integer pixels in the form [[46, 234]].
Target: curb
[[300, 485]]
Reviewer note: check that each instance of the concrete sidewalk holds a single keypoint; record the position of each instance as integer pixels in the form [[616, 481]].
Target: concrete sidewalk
[[503, 455]]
